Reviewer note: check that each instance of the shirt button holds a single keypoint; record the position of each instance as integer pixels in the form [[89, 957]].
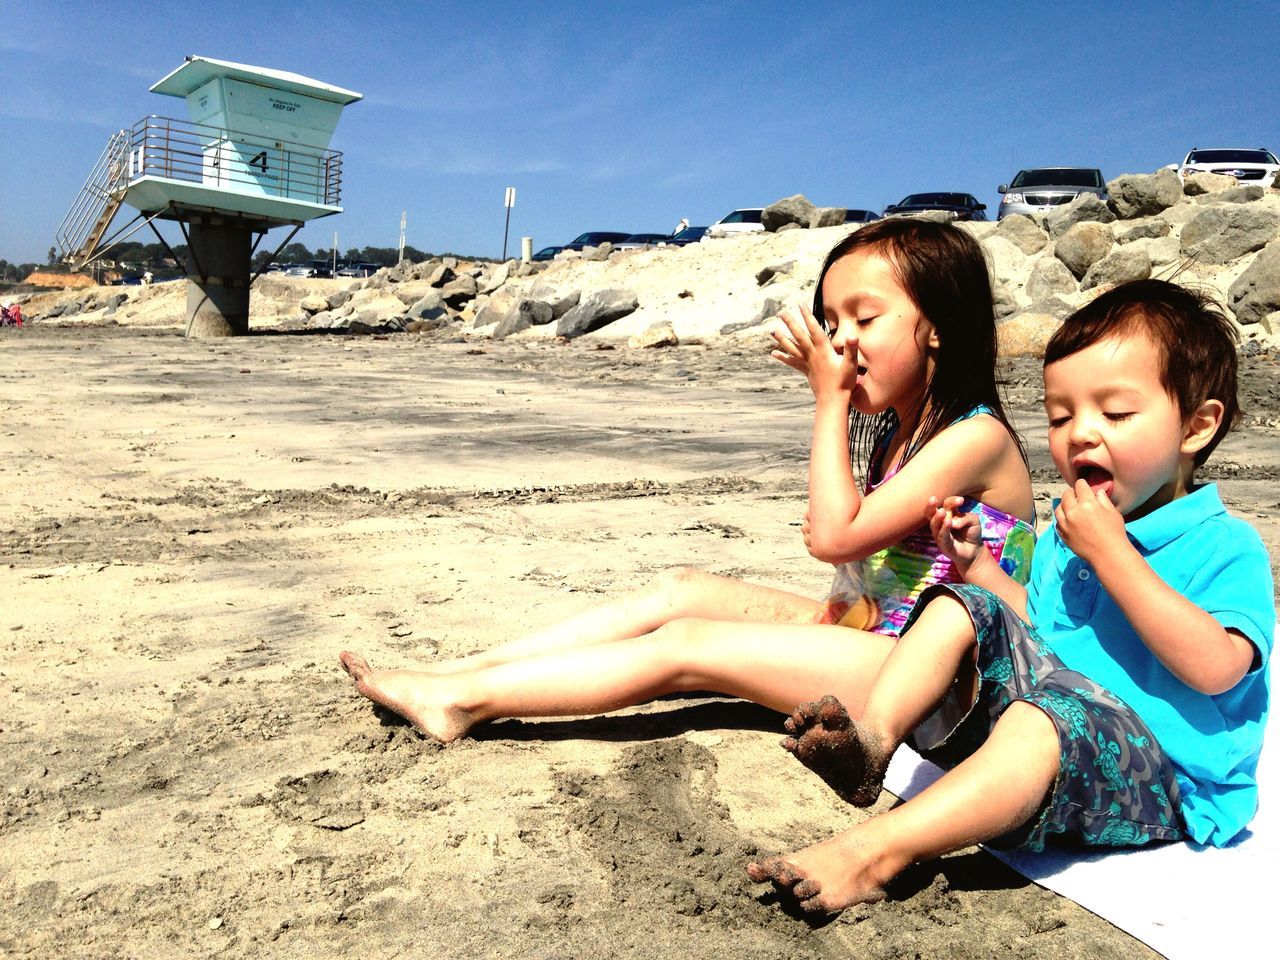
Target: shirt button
[[1084, 574]]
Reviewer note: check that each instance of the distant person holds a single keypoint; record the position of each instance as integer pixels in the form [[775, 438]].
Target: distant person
[[903, 360], [146, 279], [1120, 697], [682, 225]]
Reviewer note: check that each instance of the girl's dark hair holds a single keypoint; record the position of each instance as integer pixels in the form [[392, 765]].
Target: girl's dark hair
[[943, 271], [1195, 341]]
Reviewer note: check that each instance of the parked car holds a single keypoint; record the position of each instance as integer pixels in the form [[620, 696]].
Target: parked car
[[744, 220], [961, 206], [360, 269], [638, 241], [274, 267], [320, 269], [1040, 189], [594, 238], [686, 236], [547, 253], [860, 216], [1255, 166]]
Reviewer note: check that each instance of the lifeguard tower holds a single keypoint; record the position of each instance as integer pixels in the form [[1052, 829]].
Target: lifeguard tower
[[254, 155]]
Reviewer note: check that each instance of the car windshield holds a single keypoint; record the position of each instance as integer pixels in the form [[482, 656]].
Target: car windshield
[[743, 216], [938, 199], [1230, 156], [691, 233], [1058, 177], [853, 216]]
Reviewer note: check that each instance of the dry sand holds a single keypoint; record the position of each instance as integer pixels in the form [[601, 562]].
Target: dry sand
[[193, 530]]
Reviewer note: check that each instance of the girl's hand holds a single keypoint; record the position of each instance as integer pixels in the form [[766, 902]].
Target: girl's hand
[[1089, 523], [958, 534], [806, 347]]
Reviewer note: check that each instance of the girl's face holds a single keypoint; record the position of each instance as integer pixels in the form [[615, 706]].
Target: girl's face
[[866, 310]]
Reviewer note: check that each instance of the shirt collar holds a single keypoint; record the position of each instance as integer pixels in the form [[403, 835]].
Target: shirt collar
[[1166, 524]]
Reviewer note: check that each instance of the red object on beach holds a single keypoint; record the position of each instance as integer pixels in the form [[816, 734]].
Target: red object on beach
[[11, 316]]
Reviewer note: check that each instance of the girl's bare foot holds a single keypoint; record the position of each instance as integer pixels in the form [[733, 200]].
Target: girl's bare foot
[[850, 758], [418, 697], [831, 875]]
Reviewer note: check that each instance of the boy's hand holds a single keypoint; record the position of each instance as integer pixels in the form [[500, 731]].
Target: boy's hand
[[958, 534], [1089, 522], [806, 347]]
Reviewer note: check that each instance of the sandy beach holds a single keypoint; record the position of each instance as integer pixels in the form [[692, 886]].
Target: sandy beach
[[192, 531]]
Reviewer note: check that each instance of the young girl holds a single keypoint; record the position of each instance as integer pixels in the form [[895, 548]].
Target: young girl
[[903, 376]]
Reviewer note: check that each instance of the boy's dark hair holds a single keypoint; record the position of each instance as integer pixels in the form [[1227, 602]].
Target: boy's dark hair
[[944, 272], [1194, 340]]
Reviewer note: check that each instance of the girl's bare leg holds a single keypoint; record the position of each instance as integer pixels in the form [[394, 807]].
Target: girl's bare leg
[[775, 665], [673, 594], [997, 789]]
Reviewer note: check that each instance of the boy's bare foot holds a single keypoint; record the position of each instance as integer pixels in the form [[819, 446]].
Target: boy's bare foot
[[418, 697], [848, 756], [831, 875]]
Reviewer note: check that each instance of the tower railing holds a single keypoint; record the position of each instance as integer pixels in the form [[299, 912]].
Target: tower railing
[[233, 160]]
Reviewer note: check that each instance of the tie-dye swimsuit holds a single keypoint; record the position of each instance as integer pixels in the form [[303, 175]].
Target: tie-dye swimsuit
[[897, 575]]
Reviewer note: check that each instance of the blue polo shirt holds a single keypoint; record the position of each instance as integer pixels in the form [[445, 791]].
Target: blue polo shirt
[[1217, 562]]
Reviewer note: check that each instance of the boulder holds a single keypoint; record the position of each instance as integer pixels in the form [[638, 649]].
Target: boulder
[[796, 209], [314, 303], [1121, 266], [1083, 245], [1008, 262], [1003, 300], [338, 298], [1049, 276], [1026, 334], [457, 292], [1085, 208], [1245, 193], [595, 311], [431, 300], [827, 217], [1161, 250], [1200, 184], [522, 316], [426, 324], [564, 304], [423, 270], [768, 309], [1256, 292], [411, 291], [1144, 230], [1224, 233], [499, 276], [774, 271], [661, 334], [598, 253], [442, 274], [1023, 232], [1143, 194]]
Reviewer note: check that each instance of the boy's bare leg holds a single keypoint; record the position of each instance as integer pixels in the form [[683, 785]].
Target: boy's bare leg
[[672, 595], [774, 665], [1000, 787], [852, 755]]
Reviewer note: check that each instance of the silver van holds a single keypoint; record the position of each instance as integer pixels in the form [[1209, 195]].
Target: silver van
[[1040, 189]]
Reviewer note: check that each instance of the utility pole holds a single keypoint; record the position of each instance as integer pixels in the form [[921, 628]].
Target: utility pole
[[403, 215], [508, 201]]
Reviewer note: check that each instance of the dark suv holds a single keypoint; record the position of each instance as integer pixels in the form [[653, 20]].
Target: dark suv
[[594, 239], [1040, 189], [961, 206]]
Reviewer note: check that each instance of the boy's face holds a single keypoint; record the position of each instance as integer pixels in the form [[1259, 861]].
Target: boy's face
[[1112, 424]]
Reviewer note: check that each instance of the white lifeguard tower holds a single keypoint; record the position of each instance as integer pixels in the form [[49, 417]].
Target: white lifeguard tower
[[254, 155]]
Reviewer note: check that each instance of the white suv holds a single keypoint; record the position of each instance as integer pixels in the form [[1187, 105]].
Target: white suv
[[1248, 165], [746, 220]]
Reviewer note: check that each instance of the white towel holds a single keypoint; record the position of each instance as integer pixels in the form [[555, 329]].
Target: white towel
[[1181, 899]]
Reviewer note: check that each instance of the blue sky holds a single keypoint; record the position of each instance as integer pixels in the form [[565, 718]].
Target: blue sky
[[629, 116]]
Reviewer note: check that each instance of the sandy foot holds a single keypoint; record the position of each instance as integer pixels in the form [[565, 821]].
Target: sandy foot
[[846, 755], [411, 694], [830, 876]]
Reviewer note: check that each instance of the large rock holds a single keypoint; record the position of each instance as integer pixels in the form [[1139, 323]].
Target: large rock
[[598, 253], [774, 271], [314, 303], [1083, 245], [768, 310], [1206, 183], [1026, 334], [1256, 292], [1125, 264], [1008, 262], [1225, 233], [411, 291], [1085, 208], [442, 274], [595, 311], [827, 217], [1143, 194], [1049, 277], [500, 274], [429, 301], [1144, 230], [1245, 193], [797, 210], [459, 291], [1023, 232], [525, 314], [1161, 250], [661, 334]]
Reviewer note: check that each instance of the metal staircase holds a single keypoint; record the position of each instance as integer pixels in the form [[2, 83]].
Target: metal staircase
[[87, 221]]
